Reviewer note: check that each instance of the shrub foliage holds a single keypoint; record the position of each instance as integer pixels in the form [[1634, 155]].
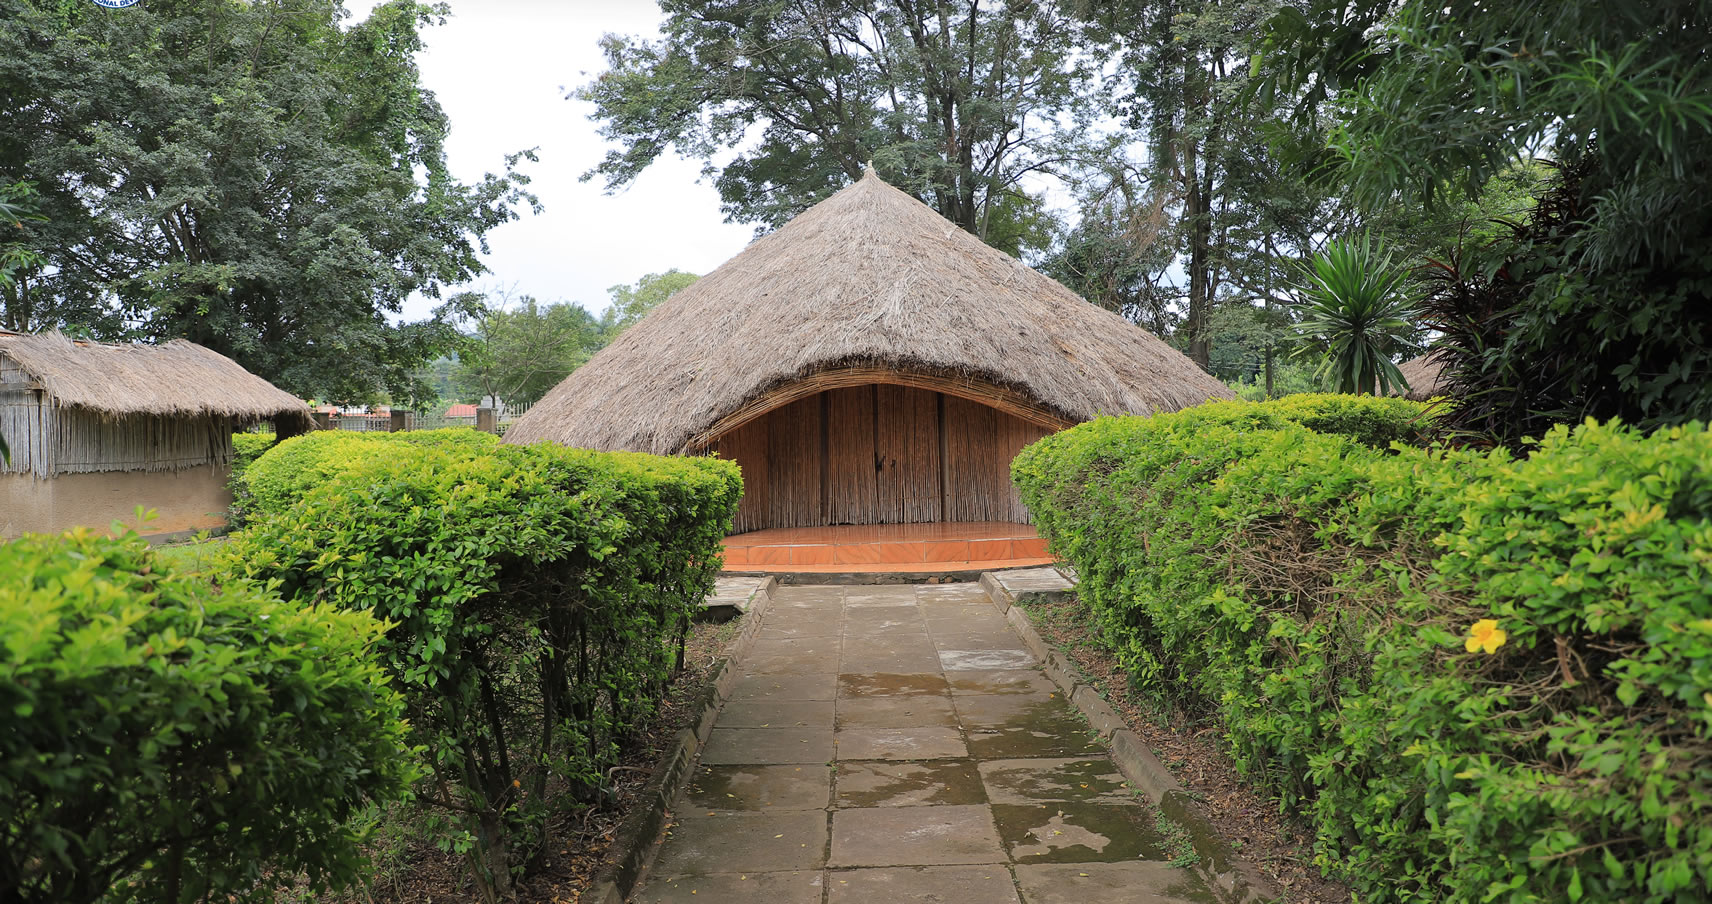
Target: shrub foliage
[[272, 482], [1320, 597], [167, 742], [539, 597]]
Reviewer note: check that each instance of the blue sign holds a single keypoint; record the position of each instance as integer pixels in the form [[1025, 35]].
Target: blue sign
[[117, 4]]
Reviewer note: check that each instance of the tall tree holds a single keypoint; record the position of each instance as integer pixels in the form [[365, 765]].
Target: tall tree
[[953, 102], [251, 176], [521, 349], [632, 303], [1184, 62], [1601, 303]]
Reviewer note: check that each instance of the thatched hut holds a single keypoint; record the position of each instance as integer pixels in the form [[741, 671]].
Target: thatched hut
[[1425, 376], [868, 363], [97, 430]]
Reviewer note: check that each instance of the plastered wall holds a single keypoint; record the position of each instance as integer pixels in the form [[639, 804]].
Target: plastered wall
[[190, 500]]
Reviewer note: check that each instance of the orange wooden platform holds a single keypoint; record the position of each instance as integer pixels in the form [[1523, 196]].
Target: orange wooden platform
[[949, 546]]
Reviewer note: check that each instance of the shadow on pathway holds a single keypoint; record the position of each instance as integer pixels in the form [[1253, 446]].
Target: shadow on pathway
[[899, 744]]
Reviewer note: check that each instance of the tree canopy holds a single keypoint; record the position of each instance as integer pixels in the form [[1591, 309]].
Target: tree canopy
[[954, 103], [260, 178], [632, 303], [1600, 303]]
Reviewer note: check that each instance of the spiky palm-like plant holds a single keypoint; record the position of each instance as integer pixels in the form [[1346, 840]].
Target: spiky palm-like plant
[[1356, 315]]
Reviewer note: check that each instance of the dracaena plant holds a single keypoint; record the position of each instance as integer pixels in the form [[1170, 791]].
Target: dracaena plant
[[1356, 314]]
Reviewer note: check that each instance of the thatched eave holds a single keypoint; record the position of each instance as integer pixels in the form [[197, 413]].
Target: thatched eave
[[176, 379], [873, 283]]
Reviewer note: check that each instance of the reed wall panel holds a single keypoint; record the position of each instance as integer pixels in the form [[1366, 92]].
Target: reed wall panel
[[907, 440], [747, 445], [878, 454], [851, 479], [796, 441]]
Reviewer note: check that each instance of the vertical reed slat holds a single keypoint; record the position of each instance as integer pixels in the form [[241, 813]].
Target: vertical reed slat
[[794, 464], [851, 482], [747, 445]]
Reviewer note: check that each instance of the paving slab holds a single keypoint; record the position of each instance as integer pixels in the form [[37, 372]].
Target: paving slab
[[1078, 833], [798, 887], [956, 620], [805, 661], [909, 659], [807, 595], [762, 746], [987, 884], [1033, 580], [899, 743], [1077, 779], [879, 597], [889, 620], [767, 647], [743, 843], [755, 787], [913, 711], [914, 784], [995, 640], [1008, 682], [1111, 883], [1010, 726], [912, 643], [777, 714], [804, 628], [926, 743], [733, 593], [889, 684], [914, 836], [983, 660], [952, 590], [823, 686]]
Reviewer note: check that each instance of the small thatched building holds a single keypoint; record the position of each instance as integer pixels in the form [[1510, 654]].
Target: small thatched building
[[97, 430], [1425, 376], [869, 363]]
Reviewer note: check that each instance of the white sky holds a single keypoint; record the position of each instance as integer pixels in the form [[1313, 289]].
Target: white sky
[[500, 69]]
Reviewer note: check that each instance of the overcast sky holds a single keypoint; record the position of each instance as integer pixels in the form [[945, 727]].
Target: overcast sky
[[500, 69]]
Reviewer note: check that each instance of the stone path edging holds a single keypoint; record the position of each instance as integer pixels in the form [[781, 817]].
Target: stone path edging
[[634, 844], [1235, 880]]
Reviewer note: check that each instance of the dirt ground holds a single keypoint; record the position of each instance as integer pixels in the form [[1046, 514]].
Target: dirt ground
[[1192, 750]]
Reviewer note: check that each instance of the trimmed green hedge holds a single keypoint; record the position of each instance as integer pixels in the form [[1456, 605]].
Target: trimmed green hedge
[[246, 448], [1321, 598], [539, 598], [167, 742], [271, 483]]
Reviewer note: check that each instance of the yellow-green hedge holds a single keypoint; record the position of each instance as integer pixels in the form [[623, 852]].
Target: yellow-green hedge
[[1319, 597], [538, 595], [167, 741]]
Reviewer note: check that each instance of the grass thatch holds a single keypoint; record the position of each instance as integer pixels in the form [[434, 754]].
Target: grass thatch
[[1424, 375], [179, 379], [867, 278]]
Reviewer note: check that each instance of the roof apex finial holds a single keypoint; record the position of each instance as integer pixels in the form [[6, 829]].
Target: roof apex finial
[[868, 171]]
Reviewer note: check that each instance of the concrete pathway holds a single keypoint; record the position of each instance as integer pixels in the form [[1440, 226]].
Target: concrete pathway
[[899, 744]]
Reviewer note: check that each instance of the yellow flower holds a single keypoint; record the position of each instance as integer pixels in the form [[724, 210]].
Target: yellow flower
[[1486, 635]]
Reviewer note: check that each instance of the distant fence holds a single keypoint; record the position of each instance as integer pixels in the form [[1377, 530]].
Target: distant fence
[[399, 421]]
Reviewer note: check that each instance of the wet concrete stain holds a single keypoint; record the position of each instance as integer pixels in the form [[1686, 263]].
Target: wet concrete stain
[[973, 660], [1006, 682], [1077, 833], [886, 684], [1013, 727], [759, 788], [872, 784], [1081, 780]]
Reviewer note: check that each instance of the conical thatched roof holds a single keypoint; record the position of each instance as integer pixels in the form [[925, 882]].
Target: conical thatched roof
[[1424, 375], [868, 278], [178, 378]]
